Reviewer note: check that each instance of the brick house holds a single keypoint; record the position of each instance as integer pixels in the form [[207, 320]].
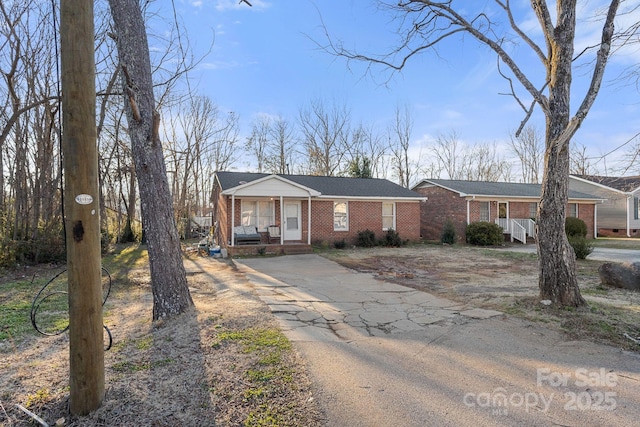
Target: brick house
[[303, 210], [511, 205], [619, 215]]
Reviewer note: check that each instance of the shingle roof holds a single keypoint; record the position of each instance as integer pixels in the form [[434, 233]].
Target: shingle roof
[[499, 189], [327, 185], [625, 184]]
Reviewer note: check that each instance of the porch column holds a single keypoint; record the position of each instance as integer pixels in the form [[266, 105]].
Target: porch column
[[233, 217], [309, 220], [468, 211], [281, 220], [628, 215]]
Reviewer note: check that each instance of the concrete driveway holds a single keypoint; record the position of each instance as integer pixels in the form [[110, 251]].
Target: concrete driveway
[[381, 354]]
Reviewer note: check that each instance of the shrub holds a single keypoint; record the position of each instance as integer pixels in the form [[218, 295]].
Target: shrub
[[484, 234], [581, 246], [340, 244], [448, 233], [366, 238], [392, 238], [575, 227]]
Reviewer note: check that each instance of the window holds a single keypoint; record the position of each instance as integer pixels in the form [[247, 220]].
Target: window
[[257, 213], [573, 210], [533, 210], [484, 211], [340, 218], [388, 216], [636, 208]]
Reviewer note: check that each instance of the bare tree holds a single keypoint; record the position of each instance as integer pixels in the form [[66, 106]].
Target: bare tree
[[483, 163], [168, 277], [325, 132], [399, 145], [258, 141], [424, 24], [280, 150], [528, 147], [448, 154], [580, 162]]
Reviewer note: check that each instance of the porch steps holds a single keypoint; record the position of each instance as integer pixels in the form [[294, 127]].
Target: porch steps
[[269, 249], [297, 249]]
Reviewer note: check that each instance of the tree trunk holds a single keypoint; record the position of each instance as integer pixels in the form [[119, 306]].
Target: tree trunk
[[557, 278], [168, 278]]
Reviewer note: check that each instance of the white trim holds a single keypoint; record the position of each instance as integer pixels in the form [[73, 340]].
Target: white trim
[[393, 215], [334, 216]]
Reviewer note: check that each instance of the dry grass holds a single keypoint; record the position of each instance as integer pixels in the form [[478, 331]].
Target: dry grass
[[181, 372]]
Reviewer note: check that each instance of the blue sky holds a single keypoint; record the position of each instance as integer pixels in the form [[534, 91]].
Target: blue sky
[[264, 61]]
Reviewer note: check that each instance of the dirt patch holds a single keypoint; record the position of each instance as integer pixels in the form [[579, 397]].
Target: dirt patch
[[173, 373], [505, 281]]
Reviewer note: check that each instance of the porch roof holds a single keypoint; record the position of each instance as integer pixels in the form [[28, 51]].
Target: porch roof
[[507, 190]]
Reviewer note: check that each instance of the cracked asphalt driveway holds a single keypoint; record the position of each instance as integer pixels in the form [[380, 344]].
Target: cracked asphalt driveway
[[382, 354]]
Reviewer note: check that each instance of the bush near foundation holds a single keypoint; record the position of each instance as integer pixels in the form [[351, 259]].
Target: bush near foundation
[[484, 234]]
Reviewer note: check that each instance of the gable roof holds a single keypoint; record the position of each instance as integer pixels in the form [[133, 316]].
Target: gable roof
[[327, 186], [625, 184], [498, 189]]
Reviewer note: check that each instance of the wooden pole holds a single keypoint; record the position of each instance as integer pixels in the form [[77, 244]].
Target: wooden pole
[[82, 212]]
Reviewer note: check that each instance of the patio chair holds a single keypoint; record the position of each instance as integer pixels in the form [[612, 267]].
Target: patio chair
[[273, 233]]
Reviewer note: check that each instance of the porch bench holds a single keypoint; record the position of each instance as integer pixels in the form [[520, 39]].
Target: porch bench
[[246, 235]]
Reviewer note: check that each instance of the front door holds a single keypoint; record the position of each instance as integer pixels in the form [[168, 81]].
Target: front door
[[292, 223]]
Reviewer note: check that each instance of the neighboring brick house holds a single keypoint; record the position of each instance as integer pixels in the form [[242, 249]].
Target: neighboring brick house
[[511, 205], [619, 215], [312, 209]]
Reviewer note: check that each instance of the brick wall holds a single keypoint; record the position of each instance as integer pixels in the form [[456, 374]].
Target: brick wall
[[442, 206], [362, 215], [587, 214]]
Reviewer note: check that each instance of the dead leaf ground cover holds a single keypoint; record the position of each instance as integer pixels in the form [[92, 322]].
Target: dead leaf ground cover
[[224, 363]]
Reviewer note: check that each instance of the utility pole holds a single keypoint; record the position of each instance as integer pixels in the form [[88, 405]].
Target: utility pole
[[81, 203]]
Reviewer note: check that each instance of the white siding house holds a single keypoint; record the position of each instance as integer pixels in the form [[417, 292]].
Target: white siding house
[[619, 215]]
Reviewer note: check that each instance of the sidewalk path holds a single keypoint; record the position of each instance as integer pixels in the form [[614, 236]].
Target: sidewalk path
[[386, 355]]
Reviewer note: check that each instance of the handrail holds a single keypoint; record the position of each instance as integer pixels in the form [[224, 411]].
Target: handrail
[[518, 232], [504, 223], [528, 224]]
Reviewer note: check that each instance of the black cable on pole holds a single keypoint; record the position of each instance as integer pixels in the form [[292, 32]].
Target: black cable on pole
[[41, 297]]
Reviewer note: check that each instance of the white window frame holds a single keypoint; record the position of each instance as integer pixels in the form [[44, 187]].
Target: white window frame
[[255, 218], [393, 216], [346, 216], [488, 211], [533, 205], [573, 210]]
